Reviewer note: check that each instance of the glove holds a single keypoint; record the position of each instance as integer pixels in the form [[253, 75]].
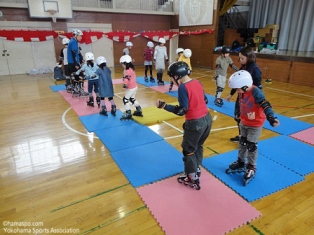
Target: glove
[[271, 119], [215, 78], [93, 76], [161, 104]]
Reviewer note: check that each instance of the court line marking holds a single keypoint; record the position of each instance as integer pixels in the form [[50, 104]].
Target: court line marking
[[289, 92], [70, 128]]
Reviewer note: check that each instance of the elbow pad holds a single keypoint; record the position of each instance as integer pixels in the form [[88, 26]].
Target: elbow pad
[[264, 104], [180, 111]]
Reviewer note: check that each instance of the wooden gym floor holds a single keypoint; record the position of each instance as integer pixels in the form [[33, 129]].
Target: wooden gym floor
[[57, 175]]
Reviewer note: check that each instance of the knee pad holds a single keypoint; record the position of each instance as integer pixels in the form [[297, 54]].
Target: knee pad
[[251, 146], [132, 100], [243, 141], [187, 153], [220, 89], [125, 100], [110, 98]]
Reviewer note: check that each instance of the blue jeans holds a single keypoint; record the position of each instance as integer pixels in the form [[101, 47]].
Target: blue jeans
[[196, 132], [93, 83]]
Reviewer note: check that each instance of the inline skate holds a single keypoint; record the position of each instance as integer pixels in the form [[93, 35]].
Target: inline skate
[[236, 167], [187, 181]]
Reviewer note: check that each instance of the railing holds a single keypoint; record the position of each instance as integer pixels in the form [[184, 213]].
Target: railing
[[124, 6]]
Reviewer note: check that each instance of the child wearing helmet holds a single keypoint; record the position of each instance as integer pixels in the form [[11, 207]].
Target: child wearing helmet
[[198, 121], [247, 59], [148, 60], [222, 63], [90, 69], [160, 55], [129, 80], [63, 59], [184, 56], [73, 54], [126, 51], [105, 86], [254, 110]]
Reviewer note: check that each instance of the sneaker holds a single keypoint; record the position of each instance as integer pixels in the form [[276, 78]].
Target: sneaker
[[235, 139]]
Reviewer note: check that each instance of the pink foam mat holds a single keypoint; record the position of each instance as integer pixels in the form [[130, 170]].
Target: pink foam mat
[[179, 209], [164, 89], [306, 136], [79, 105]]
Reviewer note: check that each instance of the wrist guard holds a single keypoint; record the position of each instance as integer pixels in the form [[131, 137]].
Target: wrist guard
[[271, 120], [161, 104]]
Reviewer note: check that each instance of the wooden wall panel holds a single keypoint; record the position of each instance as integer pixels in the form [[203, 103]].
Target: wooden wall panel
[[302, 74], [275, 69]]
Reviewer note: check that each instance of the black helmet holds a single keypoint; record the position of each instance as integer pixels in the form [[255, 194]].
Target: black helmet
[[225, 49], [179, 69]]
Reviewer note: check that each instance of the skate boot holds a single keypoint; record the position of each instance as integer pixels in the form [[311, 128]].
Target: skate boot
[[91, 101], [186, 180], [151, 79], [127, 115], [219, 102], [98, 101], [236, 167], [249, 174], [198, 172], [69, 88], [146, 79], [75, 92], [83, 93], [161, 83], [138, 112], [103, 111], [113, 110]]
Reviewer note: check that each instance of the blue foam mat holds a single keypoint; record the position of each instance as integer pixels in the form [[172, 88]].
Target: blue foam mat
[[95, 122], [127, 136], [57, 88], [270, 176], [227, 108], [149, 163], [288, 125], [141, 80], [289, 152]]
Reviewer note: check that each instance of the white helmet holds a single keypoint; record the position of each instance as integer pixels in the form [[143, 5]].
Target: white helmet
[[187, 53], [125, 59], [129, 44], [179, 50], [77, 32], [150, 44], [89, 56], [162, 40], [240, 79], [65, 41], [101, 60]]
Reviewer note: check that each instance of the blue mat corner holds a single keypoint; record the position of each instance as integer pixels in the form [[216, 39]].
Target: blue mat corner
[[57, 88], [290, 153], [149, 163], [127, 136], [270, 176]]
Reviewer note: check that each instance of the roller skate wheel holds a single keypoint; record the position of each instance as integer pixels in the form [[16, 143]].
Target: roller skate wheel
[[228, 171]]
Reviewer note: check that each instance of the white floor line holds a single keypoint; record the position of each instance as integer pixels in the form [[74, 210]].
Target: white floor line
[[73, 130], [289, 92], [307, 115]]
